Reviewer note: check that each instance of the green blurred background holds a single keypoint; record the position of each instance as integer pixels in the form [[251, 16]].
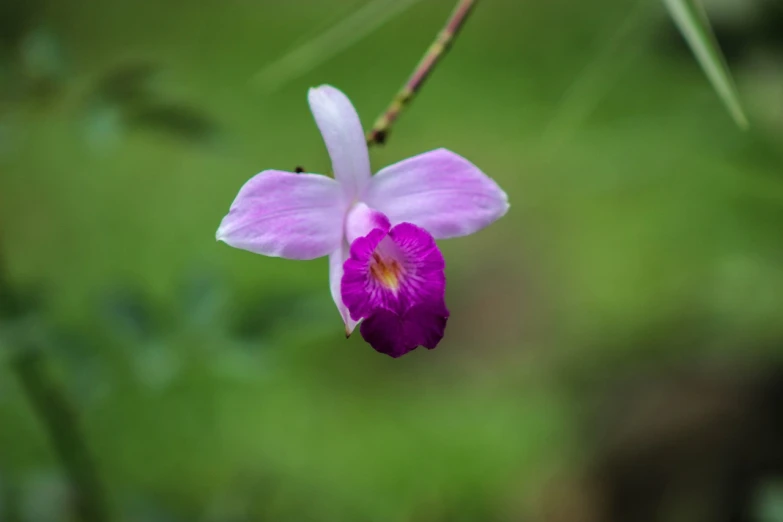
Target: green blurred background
[[614, 345]]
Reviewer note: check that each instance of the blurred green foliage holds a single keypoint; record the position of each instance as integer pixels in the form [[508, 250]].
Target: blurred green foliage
[[213, 384]]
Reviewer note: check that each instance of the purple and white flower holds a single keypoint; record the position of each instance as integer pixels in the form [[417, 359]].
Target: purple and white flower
[[379, 231]]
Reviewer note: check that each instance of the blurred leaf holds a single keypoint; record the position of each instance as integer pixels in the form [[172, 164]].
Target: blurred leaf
[[127, 83], [104, 125], [179, 120], [229, 506], [86, 376], [148, 509], [156, 364], [692, 22], [42, 55], [126, 98], [336, 39], [264, 317], [13, 303], [16, 18], [18, 318], [204, 301], [130, 314]]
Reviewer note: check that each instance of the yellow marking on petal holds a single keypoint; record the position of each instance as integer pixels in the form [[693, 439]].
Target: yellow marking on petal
[[386, 272]]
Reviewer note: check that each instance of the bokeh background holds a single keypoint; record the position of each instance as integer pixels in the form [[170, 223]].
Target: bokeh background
[[615, 348]]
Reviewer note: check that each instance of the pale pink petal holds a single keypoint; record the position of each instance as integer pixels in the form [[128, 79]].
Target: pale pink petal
[[336, 261], [361, 220], [342, 132], [282, 214], [440, 191]]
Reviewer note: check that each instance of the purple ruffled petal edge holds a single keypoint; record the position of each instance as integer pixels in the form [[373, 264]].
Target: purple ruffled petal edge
[[395, 335]]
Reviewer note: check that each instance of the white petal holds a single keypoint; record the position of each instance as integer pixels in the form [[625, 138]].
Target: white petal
[[336, 261], [342, 132]]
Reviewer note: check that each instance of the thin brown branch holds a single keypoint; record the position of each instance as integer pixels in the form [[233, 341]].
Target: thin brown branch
[[438, 49]]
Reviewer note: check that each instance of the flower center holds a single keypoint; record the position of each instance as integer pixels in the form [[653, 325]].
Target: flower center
[[386, 272]]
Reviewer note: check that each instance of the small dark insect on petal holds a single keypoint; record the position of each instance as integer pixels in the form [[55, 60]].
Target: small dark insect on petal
[[299, 170]]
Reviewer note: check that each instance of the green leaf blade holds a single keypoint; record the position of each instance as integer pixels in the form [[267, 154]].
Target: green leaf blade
[[691, 20]]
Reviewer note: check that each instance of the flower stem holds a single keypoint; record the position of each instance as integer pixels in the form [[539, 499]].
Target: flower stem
[[438, 49]]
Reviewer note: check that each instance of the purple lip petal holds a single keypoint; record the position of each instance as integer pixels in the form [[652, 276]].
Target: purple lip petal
[[394, 271], [395, 281], [395, 335], [355, 286], [426, 323]]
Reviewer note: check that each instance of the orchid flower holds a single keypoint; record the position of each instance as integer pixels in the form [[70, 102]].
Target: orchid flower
[[379, 231]]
